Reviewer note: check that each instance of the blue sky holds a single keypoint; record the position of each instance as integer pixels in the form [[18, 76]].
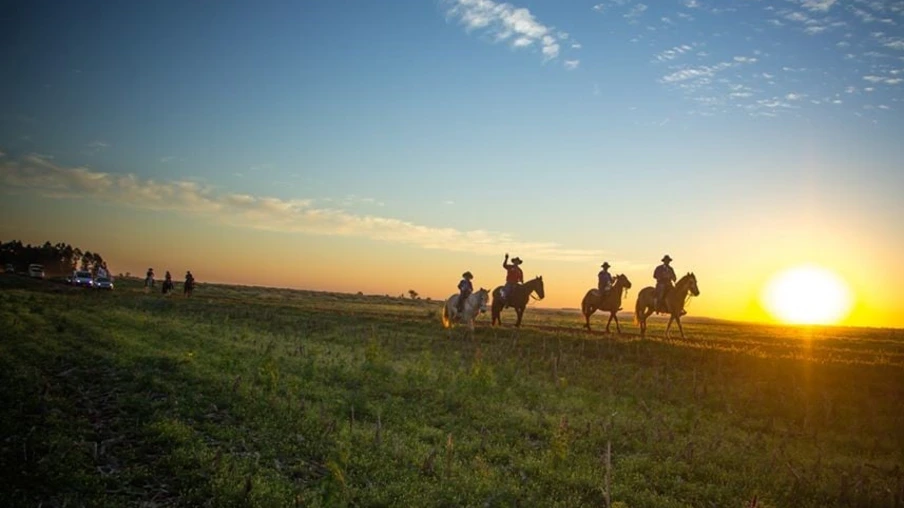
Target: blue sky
[[514, 125]]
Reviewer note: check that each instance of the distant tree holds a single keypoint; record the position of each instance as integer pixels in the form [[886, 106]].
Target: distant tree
[[87, 257], [413, 294], [58, 259]]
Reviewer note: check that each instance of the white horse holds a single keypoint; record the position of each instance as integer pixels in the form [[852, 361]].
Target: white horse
[[474, 304]]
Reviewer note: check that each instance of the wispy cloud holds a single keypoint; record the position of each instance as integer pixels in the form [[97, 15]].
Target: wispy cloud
[[96, 146], [818, 5], [41, 175], [702, 71], [635, 11], [884, 79], [673, 53], [505, 22], [351, 200], [572, 64]]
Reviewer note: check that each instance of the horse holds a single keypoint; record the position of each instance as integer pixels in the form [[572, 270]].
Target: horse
[[188, 287], [591, 302], [672, 303], [474, 303], [517, 300]]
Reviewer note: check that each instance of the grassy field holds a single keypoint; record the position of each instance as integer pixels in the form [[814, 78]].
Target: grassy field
[[268, 397]]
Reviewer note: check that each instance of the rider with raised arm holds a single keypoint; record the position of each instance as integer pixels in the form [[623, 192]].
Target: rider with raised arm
[[605, 281], [466, 288], [513, 276], [665, 276]]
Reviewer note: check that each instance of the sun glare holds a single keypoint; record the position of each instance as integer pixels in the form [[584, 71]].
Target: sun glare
[[807, 295]]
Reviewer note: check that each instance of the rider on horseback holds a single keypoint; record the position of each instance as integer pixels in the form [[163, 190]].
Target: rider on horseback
[[605, 282], [466, 288], [665, 276], [513, 276], [167, 283], [189, 284]]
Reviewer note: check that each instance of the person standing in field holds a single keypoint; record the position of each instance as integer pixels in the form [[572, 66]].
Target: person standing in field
[[665, 276], [513, 276], [465, 289], [149, 278], [605, 281]]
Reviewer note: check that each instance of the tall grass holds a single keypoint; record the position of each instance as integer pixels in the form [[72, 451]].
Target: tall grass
[[251, 397]]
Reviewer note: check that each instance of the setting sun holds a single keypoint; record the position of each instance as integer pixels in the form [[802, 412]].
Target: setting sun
[[807, 295]]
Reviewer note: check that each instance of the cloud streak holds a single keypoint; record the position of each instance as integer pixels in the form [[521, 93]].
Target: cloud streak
[[505, 22], [40, 174]]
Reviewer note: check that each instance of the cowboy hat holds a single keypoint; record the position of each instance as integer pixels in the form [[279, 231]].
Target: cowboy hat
[[467, 275], [666, 258], [605, 264], [516, 261]]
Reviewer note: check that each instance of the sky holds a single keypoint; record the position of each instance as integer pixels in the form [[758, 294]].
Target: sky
[[385, 146]]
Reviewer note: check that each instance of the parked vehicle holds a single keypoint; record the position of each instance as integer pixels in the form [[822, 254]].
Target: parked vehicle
[[103, 283], [35, 270], [82, 278]]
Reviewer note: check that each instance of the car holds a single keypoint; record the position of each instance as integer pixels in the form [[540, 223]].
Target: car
[[35, 270], [10, 268], [82, 278], [103, 283]]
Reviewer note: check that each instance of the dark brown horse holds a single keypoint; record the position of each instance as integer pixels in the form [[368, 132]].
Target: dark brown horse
[[591, 302], [672, 303], [517, 300]]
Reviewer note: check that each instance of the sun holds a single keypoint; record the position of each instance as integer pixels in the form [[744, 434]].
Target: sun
[[807, 295]]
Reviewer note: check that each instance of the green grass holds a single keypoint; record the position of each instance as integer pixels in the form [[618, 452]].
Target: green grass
[[267, 397]]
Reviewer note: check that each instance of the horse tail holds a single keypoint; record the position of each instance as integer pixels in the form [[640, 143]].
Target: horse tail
[[585, 304], [638, 307], [446, 320]]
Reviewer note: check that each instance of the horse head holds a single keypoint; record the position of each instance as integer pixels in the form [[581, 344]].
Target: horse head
[[539, 287], [483, 297], [689, 282], [622, 281]]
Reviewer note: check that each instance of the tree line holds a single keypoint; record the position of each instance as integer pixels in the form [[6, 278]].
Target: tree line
[[58, 258]]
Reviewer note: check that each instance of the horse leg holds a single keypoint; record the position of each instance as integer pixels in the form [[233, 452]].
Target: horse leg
[[520, 312], [668, 328], [615, 316], [646, 314], [680, 328], [611, 314]]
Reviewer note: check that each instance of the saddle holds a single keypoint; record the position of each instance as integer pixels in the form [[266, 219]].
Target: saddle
[[661, 307], [505, 297]]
